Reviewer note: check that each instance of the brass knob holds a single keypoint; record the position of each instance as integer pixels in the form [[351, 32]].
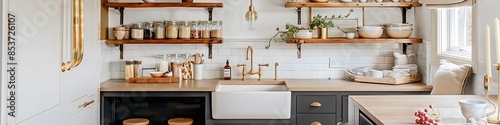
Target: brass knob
[[316, 123], [315, 104]]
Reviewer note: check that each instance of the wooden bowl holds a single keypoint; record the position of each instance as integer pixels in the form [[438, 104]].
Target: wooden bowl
[[319, 1], [157, 74]]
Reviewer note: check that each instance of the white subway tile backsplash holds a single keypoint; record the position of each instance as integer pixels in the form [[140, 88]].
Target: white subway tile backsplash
[[314, 63]]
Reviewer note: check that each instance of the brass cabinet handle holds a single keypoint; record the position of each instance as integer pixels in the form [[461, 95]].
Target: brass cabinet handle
[[77, 37], [86, 104], [315, 104], [316, 123]]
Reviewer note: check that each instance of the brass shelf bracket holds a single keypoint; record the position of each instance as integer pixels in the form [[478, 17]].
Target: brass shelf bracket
[[404, 20]]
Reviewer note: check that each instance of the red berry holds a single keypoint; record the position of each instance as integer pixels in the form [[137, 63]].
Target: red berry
[[430, 106], [425, 110], [416, 113]]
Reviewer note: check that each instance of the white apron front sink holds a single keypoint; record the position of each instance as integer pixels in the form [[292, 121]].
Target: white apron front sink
[[251, 101]]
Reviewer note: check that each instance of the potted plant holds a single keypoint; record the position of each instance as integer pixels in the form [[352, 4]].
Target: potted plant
[[323, 23], [291, 33]]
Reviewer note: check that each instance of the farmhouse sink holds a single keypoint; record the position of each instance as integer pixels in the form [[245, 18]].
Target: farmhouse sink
[[251, 101]]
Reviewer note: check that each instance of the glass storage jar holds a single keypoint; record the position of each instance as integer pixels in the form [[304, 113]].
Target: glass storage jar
[[149, 30], [195, 31], [138, 31], [184, 30], [216, 29], [163, 62], [205, 29], [159, 30], [172, 30]]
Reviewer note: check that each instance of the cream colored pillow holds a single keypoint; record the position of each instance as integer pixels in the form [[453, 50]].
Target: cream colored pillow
[[450, 79]]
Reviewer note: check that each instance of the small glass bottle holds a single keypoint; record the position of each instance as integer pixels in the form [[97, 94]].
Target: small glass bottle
[[216, 29], [227, 71], [159, 30], [172, 30], [149, 30], [138, 31], [205, 30], [184, 30], [195, 32]]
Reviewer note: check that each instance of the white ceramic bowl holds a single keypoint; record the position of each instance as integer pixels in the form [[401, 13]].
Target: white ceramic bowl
[[378, 1], [395, 0], [345, 1], [398, 25], [370, 33], [156, 74], [119, 35], [363, 1], [370, 27], [304, 34], [399, 33], [473, 108], [348, 30]]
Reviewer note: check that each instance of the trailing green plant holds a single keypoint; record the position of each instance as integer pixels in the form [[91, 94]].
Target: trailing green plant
[[291, 31], [325, 21]]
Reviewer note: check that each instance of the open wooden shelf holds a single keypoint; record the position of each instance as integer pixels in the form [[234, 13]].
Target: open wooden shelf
[[368, 4], [147, 5], [356, 40], [167, 41]]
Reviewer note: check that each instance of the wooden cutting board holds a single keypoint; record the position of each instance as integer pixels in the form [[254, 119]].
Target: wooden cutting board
[[145, 80]]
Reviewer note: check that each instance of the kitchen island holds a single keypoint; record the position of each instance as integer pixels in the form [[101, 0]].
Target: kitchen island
[[400, 109], [195, 96]]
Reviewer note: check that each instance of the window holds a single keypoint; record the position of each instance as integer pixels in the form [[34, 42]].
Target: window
[[455, 33]]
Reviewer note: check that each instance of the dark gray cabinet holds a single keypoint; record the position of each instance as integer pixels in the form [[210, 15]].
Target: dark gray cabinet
[[325, 104], [364, 120], [308, 119], [334, 106]]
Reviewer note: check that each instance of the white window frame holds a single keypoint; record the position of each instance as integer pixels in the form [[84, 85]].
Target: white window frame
[[441, 52]]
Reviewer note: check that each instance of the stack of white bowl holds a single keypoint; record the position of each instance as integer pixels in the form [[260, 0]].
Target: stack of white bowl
[[398, 30], [370, 31]]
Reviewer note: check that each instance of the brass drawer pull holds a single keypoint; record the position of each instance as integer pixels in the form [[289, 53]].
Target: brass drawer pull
[[316, 123], [316, 104], [86, 104]]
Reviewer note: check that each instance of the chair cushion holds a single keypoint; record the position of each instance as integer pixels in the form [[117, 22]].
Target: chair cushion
[[450, 79]]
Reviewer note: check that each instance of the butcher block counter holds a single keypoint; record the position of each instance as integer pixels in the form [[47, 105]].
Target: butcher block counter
[[400, 109], [292, 84]]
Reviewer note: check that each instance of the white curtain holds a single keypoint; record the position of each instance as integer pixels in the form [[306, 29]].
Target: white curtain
[[436, 4]]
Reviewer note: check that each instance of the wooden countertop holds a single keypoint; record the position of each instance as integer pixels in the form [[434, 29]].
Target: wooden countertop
[[400, 109], [293, 85]]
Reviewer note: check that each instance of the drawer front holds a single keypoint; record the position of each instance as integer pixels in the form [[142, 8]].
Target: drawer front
[[324, 119], [327, 102]]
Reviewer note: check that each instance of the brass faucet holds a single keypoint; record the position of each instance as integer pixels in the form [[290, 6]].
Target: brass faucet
[[251, 72]]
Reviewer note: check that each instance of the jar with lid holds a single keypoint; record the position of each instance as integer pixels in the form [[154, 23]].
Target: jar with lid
[[216, 29], [138, 31], [195, 31], [163, 62], [137, 68], [159, 30], [149, 30], [173, 65], [184, 30], [129, 69], [205, 29], [127, 32], [172, 30]]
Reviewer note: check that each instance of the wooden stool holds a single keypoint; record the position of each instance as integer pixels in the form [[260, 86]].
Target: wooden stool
[[136, 121], [180, 121]]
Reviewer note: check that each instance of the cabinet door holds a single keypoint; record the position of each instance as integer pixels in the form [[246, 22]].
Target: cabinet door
[[363, 120], [81, 83], [39, 37], [345, 110]]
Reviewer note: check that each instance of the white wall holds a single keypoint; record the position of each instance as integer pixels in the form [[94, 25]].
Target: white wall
[[272, 14]]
